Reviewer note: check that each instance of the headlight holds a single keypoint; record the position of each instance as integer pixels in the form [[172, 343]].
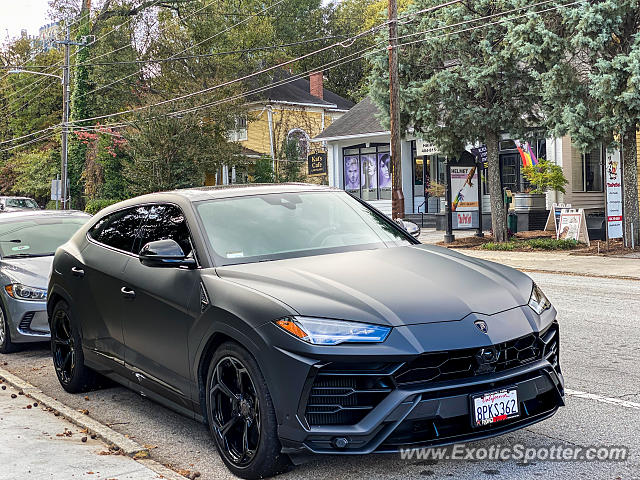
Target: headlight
[[322, 331], [24, 292], [538, 302]]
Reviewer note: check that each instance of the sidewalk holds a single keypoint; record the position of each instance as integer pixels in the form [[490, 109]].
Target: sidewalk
[[35, 444], [563, 262], [553, 262]]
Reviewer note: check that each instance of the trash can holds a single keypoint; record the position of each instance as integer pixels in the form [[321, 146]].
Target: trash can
[[512, 222]]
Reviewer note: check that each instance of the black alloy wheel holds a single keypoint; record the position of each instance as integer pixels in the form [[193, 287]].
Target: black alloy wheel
[[63, 347], [235, 409], [241, 416], [66, 350]]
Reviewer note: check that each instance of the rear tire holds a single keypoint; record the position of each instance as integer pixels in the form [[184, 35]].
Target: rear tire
[[66, 350], [241, 416], [6, 345]]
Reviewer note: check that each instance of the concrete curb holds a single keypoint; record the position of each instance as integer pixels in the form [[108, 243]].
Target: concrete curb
[[106, 434], [577, 274]]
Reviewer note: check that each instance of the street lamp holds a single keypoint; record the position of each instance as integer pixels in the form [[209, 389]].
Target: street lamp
[[64, 79]]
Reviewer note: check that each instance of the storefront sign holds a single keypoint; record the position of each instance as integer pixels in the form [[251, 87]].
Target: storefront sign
[[613, 176], [464, 189], [425, 148], [462, 220], [317, 164], [481, 154]]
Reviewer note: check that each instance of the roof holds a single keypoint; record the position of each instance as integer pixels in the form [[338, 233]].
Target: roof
[[298, 91], [360, 120], [40, 214]]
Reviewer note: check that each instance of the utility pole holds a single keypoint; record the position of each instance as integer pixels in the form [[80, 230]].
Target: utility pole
[[65, 119], [397, 197], [66, 102]]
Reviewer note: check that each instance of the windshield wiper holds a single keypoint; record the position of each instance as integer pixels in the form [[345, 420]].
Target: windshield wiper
[[28, 255], [11, 241]]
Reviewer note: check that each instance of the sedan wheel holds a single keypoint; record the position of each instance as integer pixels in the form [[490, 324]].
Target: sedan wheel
[[241, 415], [6, 345]]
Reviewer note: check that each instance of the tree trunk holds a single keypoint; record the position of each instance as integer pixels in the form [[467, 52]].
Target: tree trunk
[[498, 214], [630, 181]]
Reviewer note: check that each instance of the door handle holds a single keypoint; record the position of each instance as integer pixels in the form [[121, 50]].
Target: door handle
[[128, 293], [77, 272]]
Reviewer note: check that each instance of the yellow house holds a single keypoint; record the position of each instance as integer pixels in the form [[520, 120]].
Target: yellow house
[[288, 109]]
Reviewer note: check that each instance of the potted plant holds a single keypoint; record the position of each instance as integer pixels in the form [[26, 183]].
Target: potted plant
[[543, 177], [435, 202]]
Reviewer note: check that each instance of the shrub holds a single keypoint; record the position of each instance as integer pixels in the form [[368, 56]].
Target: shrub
[[97, 204]]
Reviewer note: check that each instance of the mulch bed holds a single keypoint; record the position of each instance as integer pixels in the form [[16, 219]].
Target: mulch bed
[[597, 247]]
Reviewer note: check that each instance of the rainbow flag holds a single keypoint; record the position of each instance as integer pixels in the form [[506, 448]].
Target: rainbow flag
[[526, 154]]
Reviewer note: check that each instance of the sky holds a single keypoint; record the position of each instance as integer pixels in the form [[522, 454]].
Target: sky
[[18, 14]]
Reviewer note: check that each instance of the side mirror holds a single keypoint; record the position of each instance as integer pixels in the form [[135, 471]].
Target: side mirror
[[411, 228], [165, 254]]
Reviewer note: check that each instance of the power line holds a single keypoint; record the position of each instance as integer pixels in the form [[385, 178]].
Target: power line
[[326, 66], [203, 55], [184, 50], [342, 61]]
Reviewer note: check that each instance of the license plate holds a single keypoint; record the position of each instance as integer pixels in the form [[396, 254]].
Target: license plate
[[495, 407]]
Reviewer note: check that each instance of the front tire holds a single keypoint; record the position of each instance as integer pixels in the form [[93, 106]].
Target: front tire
[[241, 416], [66, 350], [6, 345]]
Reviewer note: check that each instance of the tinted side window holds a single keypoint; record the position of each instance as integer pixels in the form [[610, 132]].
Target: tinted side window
[[165, 222], [119, 229]]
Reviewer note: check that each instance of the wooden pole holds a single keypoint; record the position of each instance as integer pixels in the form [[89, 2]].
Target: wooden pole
[[397, 196]]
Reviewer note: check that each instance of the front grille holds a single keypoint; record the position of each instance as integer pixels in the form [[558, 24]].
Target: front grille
[[341, 395], [465, 363], [442, 430]]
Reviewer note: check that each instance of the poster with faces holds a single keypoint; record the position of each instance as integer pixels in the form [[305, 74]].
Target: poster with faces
[[351, 174]]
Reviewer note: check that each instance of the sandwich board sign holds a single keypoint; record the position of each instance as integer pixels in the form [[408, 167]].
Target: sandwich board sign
[[573, 225], [553, 220]]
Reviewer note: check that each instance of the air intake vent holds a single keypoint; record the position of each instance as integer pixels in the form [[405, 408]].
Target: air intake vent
[[204, 298]]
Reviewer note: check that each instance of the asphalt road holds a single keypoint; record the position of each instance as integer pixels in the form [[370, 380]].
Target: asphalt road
[[600, 355]]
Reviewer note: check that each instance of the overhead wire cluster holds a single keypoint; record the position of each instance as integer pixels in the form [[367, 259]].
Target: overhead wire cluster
[[505, 16]]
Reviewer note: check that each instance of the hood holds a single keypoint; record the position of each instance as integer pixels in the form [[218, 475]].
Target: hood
[[393, 286], [33, 272]]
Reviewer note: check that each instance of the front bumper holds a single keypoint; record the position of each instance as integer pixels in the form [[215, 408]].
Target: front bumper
[[371, 401], [28, 320]]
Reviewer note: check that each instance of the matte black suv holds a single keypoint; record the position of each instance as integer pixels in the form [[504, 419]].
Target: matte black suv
[[296, 319]]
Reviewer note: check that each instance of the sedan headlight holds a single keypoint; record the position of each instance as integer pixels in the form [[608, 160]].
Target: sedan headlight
[[24, 292], [538, 301], [323, 331]]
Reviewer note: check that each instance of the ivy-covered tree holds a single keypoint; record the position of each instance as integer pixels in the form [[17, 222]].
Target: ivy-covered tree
[[588, 60], [461, 88]]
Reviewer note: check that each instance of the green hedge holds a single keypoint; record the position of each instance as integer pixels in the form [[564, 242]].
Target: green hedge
[[95, 205]]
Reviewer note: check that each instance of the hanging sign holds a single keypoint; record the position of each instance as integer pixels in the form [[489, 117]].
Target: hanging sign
[[573, 226], [425, 148], [613, 177], [481, 154], [317, 164]]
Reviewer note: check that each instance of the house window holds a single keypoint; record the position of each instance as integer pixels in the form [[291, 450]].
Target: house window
[[587, 172], [239, 132], [301, 140], [367, 171]]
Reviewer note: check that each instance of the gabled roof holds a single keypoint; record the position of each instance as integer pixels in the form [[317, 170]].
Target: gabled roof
[[298, 91], [360, 120]]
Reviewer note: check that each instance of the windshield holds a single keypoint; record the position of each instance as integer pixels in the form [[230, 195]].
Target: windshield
[[286, 225], [34, 238], [21, 203]]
